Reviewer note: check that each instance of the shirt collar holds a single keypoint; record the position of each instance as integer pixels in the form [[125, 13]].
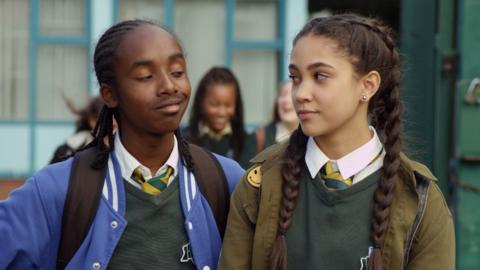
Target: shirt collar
[[348, 165], [128, 163], [205, 130]]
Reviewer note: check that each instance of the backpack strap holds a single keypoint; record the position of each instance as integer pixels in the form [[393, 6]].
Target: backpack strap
[[213, 184], [84, 192]]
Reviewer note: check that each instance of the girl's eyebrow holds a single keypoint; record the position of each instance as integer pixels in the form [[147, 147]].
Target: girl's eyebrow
[[317, 65], [312, 66]]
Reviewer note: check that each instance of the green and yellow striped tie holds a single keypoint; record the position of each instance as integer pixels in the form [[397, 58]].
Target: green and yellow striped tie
[[332, 178], [154, 185]]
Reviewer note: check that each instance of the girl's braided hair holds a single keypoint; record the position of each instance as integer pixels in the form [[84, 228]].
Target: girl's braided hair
[[104, 59], [369, 45]]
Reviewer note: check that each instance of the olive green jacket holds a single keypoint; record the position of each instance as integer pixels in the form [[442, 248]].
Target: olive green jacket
[[420, 233]]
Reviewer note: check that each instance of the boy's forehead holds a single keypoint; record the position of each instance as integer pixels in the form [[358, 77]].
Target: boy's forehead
[[147, 37]]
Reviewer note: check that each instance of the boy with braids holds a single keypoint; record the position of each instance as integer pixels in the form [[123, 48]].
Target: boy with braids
[[340, 194], [142, 222]]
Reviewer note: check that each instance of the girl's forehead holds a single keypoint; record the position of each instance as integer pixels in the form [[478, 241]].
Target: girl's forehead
[[312, 44], [312, 50]]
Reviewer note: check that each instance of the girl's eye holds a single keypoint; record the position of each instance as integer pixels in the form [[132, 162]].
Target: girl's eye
[[145, 78], [319, 76], [293, 78]]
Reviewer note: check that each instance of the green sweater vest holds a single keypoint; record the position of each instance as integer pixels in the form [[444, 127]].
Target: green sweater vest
[[331, 229], [155, 236], [222, 147]]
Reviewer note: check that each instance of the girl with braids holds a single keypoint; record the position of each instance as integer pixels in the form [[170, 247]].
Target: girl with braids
[[340, 194], [152, 214], [216, 119]]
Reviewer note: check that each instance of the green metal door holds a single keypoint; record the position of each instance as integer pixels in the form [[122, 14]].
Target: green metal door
[[427, 45], [467, 137]]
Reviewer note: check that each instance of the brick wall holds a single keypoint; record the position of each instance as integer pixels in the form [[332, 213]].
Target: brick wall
[[6, 186]]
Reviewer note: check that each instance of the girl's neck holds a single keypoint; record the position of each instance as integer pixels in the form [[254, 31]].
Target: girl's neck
[[342, 142], [150, 150]]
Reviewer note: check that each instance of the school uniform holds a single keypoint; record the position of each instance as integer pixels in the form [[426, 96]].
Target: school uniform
[[330, 229], [72, 144], [220, 143], [325, 220], [31, 220], [273, 133]]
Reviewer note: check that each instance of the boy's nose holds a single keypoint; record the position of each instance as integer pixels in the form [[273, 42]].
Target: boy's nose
[[165, 84]]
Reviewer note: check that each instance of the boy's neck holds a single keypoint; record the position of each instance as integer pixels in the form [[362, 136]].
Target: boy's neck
[[151, 151]]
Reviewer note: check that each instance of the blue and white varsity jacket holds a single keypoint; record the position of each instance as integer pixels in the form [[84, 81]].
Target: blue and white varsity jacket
[[31, 219]]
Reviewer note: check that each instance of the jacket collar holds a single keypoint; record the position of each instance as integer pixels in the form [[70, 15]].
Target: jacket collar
[[272, 155], [415, 170]]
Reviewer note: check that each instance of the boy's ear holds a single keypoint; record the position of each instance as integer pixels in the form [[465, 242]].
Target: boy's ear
[[370, 84], [108, 95]]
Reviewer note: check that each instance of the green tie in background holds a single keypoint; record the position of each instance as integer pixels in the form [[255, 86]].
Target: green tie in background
[[154, 185], [332, 178]]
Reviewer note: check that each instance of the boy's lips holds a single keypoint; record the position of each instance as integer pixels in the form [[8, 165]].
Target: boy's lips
[[169, 105]]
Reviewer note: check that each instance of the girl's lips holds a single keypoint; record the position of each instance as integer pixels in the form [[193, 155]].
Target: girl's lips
[[306, 114]]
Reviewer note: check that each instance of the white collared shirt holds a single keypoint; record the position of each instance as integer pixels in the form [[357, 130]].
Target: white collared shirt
[[206, 130], [355, 163], [128, 163]]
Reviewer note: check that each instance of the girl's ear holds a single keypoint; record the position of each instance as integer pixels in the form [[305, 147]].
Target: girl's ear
[[108, 95], [370, 84]]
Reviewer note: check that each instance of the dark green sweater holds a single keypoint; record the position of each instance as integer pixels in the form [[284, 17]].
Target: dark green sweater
[[222, 146], [331, 229], [155, 236]]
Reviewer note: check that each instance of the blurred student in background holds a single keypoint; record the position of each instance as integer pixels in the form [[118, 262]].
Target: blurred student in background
[[285, 120], [87, 118], [216, 119]]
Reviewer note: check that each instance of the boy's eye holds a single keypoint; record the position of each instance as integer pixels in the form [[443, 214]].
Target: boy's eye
[[145, 78], [178, 74]]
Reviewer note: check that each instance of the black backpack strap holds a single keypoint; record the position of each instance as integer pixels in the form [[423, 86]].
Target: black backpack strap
[[213, 184], [84, 191]]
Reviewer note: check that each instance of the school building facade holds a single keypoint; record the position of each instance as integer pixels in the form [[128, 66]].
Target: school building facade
[[47, 45]]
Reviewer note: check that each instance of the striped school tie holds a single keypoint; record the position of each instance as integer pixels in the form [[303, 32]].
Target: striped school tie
[[332, 178], [154, 185]]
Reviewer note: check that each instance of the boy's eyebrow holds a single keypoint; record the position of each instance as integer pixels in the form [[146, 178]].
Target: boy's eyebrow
[[141, 63], [146, 62], [176, 56]]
